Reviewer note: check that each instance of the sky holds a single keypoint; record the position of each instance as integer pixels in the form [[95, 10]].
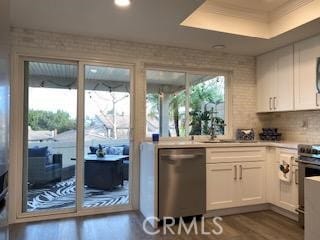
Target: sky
[[52, 99]]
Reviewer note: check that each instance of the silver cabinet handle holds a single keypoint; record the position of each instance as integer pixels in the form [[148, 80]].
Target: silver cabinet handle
[[317, 104], [270, 106], [296, 176], [274, 103], [240, 172], [298, 210], [235, 172]]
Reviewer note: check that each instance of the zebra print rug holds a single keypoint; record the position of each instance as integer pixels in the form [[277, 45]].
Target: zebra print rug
[[63, 195]]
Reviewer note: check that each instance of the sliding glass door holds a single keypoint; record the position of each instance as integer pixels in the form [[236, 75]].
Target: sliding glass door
[[49, 136], [77, 121], [107, 136]]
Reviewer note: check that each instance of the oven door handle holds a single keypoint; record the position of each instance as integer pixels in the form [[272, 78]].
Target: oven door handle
[[314, 166], [308, 164]]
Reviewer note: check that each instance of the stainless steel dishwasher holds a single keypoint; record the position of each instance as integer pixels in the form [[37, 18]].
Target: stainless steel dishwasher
[[182, 182]]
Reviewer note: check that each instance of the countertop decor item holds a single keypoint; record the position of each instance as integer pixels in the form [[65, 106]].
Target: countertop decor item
[[100, 152], [245, 134], [155, 137], [270, 134]]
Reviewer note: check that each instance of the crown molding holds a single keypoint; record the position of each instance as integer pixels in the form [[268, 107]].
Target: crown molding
[[288, 8], [232, 10], [253, 21]]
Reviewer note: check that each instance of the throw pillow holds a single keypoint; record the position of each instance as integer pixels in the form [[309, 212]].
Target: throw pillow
[[93, 150], [116, 150]]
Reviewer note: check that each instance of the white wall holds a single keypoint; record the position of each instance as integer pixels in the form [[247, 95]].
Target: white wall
[[242, 67], [141, 55], [4, 89]]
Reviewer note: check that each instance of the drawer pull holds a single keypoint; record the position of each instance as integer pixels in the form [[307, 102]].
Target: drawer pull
[[270, 100], [235, 172]]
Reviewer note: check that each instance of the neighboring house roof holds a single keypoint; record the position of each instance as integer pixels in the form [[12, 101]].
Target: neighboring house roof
[[90, 134]]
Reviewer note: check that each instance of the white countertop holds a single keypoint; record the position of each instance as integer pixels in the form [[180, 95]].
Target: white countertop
[[316, 178], [198, 144]]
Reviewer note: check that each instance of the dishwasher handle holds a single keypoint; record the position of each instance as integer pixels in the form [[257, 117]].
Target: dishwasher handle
[[180, 156]]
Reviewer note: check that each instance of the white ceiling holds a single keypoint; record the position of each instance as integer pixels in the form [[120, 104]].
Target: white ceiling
[[154, 21]]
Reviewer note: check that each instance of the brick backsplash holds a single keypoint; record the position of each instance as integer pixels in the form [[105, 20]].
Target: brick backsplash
[[242, 67], [301, 126]]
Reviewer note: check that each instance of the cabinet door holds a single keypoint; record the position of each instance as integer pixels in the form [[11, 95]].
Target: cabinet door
[[221, 179], [288, 195], [252, 183], [287, 192], [283, 97], [305, 58], [266, 70], [272, 176]]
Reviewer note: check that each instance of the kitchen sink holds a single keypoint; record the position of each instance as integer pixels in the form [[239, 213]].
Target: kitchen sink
[[220, 141], [228, 141]]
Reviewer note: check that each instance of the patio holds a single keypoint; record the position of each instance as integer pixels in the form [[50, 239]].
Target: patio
[[62, 195]]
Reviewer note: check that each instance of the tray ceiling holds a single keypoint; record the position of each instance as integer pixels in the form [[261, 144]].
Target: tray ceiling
[[261, 18]]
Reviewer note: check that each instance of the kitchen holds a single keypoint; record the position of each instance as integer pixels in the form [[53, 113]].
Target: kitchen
[[242, 175], [220, 117]]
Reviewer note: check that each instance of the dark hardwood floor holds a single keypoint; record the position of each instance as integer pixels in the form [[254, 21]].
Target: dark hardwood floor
[[264, 225]]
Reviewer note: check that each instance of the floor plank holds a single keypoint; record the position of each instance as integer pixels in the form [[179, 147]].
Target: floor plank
[[265, 225]]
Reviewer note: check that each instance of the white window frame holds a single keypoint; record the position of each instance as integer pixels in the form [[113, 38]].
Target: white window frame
[[16, 214], [228, 99]]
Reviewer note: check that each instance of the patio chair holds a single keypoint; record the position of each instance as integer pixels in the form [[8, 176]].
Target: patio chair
[[43, 167]]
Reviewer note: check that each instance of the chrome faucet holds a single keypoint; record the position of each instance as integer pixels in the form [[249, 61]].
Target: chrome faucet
[[214, 125], [213, 134]]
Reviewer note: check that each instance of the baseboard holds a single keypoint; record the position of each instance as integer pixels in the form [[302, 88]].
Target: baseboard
[[253, 208], [237, 210], [284, 212]]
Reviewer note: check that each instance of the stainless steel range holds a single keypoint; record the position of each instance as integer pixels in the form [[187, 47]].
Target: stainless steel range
[[309, 166]]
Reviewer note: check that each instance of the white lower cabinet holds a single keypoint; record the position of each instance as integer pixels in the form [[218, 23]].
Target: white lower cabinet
[[252, 183], [233, 181], [235, 184], [221, 185], [280, 193], [287, 196]]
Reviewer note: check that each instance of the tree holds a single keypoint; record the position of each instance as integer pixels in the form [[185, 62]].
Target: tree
[[47, 120], [176, 101], [209, 91]]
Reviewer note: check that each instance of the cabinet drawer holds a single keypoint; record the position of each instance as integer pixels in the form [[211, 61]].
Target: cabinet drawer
[[235, 154], [287, 152]]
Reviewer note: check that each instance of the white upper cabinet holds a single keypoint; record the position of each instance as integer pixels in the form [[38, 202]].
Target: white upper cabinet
[[266, 70], [284, 80], [305, 58], [275, 81]]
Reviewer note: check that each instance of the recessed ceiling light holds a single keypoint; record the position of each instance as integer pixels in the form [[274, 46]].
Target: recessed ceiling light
[[219, 46], [93, 70], [122, 3]]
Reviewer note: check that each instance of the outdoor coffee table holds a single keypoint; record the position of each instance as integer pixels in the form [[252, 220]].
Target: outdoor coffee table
[[104, 173]]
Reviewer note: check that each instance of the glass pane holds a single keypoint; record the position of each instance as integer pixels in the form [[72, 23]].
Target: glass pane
[[107, 145], [165, 103], [50, 136], [207, 104]]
